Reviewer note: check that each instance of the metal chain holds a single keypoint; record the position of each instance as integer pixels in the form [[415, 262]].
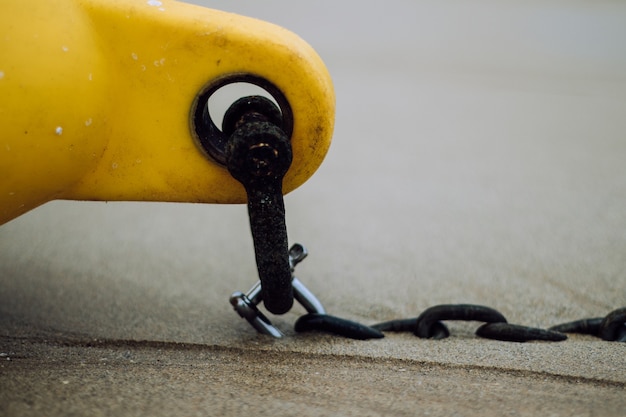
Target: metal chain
[[428, 325]]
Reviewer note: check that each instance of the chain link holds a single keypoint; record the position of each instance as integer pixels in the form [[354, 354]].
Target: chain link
[[612, 327], [336, 325]]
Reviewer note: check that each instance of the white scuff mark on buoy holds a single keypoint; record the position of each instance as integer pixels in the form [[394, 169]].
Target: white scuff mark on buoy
[[90, 76], [156, 3], [1, 75], [88, 122], [114, 165], [134, 56], [58, 130], [159, 62], [143, 67], [65, 48]]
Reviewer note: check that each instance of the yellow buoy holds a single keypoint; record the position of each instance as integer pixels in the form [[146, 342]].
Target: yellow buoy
[[97, 99]]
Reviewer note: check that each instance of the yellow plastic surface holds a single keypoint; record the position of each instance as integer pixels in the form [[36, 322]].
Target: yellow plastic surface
[[96, 95]]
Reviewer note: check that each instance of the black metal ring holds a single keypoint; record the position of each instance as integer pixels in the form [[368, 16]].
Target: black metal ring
[[210, 139]]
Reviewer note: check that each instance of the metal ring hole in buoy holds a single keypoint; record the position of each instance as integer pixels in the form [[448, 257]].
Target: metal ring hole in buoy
[[213, 100]]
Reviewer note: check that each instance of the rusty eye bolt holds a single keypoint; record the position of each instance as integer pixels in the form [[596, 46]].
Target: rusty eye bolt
[[258, 155]]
